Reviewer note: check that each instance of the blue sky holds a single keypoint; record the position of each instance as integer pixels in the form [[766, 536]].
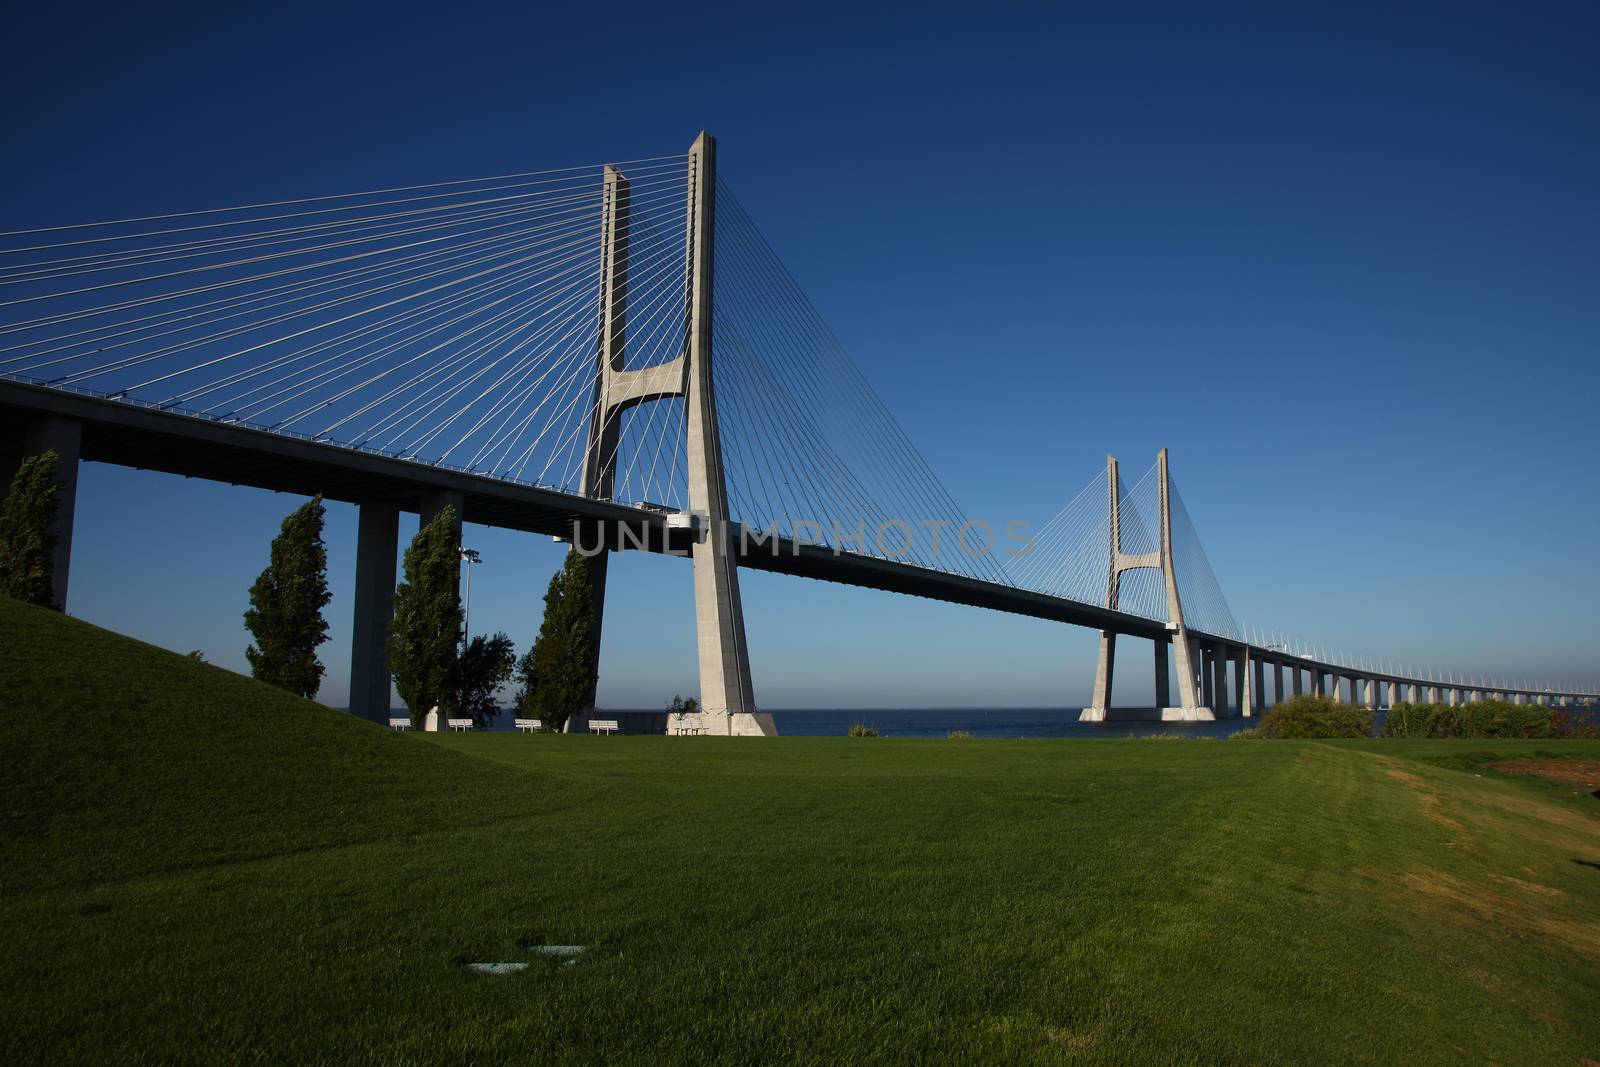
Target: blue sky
[[1344, 264]]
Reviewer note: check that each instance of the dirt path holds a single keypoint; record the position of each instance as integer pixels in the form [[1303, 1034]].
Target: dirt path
[[1583, 773]]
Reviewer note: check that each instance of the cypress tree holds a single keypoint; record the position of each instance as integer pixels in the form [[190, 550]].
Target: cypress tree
[[27, 547], [427, 618], [286, 602], [559, 673]]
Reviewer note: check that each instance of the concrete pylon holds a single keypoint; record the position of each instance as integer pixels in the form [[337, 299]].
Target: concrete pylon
[[726, 693], [1189, 707], [1297, 676], [1277, 681], [727, 697], [1117, 562], [610, 399], [1258, 685], [1185, 650]]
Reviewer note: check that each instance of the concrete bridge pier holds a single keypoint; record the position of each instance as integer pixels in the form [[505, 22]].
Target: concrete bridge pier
[[1258, 684], [1277, 681], [1370, 694], [1163, 682], [1241, 680], [377, 540], [1219, 681]]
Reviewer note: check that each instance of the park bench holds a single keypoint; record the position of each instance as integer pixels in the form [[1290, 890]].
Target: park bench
[[399, 724], [602, 726], [528, 726], [459, 724], [687, 727]]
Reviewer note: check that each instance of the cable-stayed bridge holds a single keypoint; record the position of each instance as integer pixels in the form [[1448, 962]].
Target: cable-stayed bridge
[[611, 355]]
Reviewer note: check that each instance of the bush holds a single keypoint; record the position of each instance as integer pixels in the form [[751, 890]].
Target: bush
[[959, 735], [1486, 718], [1575, 723], [861, 729], [1309, 715]]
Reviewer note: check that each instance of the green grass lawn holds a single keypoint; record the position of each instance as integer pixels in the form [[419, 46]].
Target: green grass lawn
[[197, 868]]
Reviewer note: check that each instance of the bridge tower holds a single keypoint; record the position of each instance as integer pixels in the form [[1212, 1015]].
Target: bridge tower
[[1184, 650], [727, 697]]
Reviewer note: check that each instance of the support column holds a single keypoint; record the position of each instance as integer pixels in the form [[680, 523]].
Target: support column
[[1105, 666], [377, 540], [1163, 682], [1277, 681], [65, 438], [1258, 685], [1369, 693], [1319, 682], [1208, 677], [1243, 681], [1297, 676], [726, 693], [1219, 683]]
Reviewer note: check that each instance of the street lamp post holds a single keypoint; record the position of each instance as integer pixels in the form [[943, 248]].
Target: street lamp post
[[469, 556]]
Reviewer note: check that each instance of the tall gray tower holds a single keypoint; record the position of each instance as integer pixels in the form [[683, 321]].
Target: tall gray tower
[[727, 697]]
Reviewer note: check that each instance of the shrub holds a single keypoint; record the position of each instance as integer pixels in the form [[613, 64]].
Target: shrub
[[861, 729], [1575, 723], [1309, 715], [27, 547], [1485, 718], [1252, 734], [959, 735]]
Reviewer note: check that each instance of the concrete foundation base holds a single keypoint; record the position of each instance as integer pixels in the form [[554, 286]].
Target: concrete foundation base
[[1198, 714], [740, 724]]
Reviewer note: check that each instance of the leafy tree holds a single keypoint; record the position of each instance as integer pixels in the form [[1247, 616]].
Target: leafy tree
[[558, 675], [286, 602], [485, 665], [27, 547], [427, 618]]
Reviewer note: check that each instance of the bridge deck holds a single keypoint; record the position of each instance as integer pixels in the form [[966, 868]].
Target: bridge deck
[[148, 438]]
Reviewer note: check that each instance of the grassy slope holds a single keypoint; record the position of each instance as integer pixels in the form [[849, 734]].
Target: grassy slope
[[224, 872]]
